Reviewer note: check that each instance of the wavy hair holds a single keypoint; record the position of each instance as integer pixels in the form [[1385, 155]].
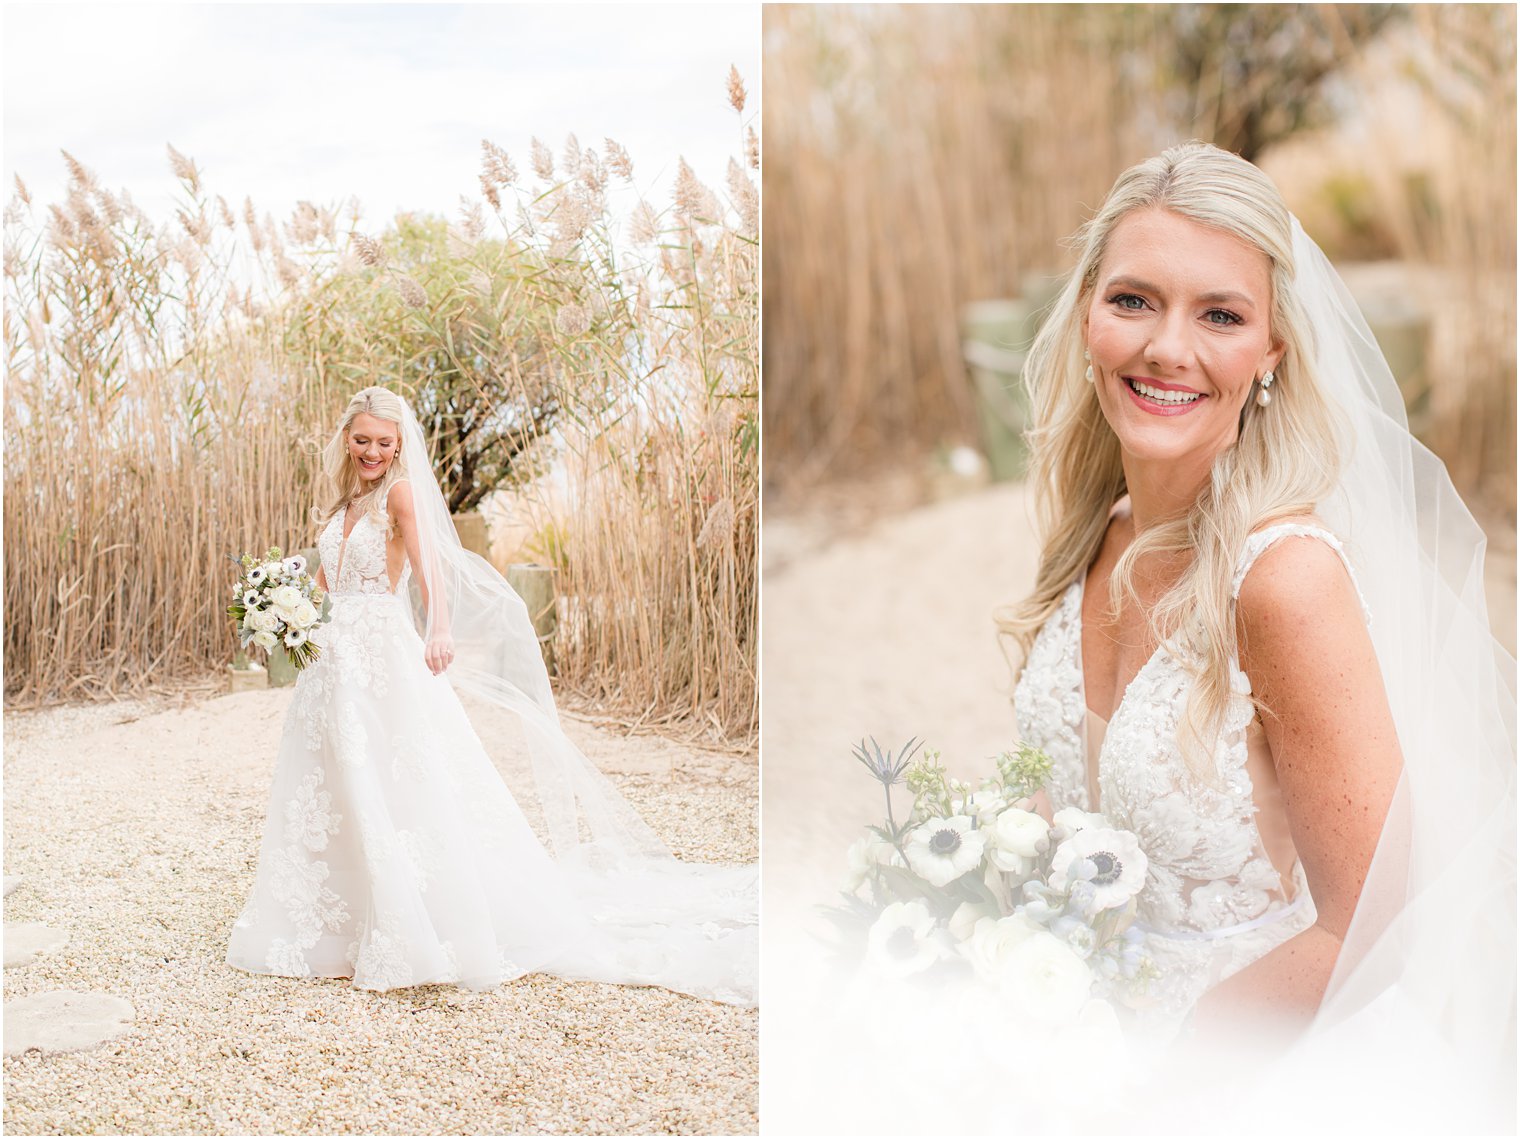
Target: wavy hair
[[340, 483], [1285, 458]]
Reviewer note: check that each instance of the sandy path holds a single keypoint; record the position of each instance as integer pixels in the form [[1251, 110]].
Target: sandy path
[[136, 831], [887, 633]]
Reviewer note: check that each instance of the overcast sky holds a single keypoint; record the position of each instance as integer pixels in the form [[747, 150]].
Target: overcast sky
[[385, 102]]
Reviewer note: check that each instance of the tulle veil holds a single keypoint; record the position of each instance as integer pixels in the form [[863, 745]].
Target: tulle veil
[[685, 926], [1425, 981]]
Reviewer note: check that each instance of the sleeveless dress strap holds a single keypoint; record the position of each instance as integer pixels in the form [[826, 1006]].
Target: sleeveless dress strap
[[1258, 543]]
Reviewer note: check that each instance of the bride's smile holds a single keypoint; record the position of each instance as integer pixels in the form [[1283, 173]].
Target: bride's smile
[[372, 444], [1178, 331]]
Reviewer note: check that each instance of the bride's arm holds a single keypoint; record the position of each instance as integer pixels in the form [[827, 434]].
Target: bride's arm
[[1305, 646], [440, 645]]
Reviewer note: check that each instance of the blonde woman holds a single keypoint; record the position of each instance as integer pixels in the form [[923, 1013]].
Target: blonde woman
[[393, 853], [1256, 639]]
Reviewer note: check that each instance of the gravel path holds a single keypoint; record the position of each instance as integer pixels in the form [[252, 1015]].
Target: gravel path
[[136, 830]]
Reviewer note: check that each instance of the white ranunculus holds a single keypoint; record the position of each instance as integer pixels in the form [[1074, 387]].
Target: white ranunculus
[[903, 941], [1045, 979], [294, 638], [1016, 839], [1114, 857], [304, 615], [1075, 819], [268, 621], [941, 850], [991, 941], [265, 639], [286, 597]]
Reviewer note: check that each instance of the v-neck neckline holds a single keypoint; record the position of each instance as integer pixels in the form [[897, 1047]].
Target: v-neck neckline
[[345, 532], [1081, 588]]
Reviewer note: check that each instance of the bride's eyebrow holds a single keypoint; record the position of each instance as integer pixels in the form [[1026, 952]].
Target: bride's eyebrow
[[1217, 296], [1123, 282]]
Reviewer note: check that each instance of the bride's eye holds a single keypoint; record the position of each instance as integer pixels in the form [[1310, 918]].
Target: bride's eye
[[1222, 317], [1129, 302]]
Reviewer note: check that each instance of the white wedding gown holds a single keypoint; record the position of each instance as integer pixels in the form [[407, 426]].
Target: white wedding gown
[[394, 854], [1224, 885]]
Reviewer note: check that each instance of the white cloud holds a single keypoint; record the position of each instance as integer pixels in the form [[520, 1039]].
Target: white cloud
[[387, 103]]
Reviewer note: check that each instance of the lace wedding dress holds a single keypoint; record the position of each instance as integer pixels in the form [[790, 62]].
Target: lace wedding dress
[[394, 854], [1224, 885]]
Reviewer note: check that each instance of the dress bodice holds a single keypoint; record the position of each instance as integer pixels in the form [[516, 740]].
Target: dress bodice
[[1213, 893], [360, 561]]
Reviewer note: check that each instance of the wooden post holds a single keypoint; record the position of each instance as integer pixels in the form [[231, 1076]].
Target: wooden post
[[473, 536], [535, 585]]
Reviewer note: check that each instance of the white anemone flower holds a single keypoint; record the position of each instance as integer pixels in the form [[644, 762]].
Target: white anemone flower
[[941, 850], [251, 599], [256, 575], [294, 565], [295, 638], [1116, 862], [1017, 839], [903, 941]]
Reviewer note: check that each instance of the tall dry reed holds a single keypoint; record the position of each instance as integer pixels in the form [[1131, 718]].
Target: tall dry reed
[[928, 156], [167, 386], [149, 432], [1452, 206], [923, 157], [656, 341]]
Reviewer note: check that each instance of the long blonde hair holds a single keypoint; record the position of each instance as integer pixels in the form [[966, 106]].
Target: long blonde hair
[[340, 483], [1284, 460]]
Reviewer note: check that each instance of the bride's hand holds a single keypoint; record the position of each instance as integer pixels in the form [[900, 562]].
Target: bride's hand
[[440, 653]]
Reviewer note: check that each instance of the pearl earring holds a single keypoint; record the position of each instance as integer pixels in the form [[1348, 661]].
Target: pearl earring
[[1264, 396], [1087, 375]]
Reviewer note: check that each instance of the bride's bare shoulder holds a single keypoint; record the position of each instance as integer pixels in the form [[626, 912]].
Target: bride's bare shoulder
[[1298, 578], [399, 497]]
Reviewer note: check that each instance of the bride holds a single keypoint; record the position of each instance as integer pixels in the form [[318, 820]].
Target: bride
[[393, 853], [1258, 640]]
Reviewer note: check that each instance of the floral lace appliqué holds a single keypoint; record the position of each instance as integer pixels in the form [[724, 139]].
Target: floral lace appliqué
[[1209, 871]]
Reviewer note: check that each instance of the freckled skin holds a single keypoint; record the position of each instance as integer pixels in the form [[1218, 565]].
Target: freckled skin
[[1188, 306], [1307, 651]]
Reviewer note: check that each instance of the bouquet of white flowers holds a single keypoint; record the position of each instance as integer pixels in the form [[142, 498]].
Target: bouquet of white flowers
[[276, 601], [977, 884]]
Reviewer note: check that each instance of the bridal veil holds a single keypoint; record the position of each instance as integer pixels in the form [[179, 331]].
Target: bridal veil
[[659, 921]]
